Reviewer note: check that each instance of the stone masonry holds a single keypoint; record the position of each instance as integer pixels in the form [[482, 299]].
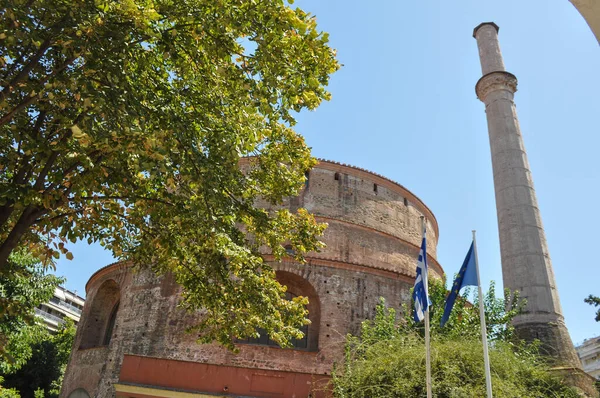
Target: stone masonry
[[372, 244], [526, 264], [526, 261]]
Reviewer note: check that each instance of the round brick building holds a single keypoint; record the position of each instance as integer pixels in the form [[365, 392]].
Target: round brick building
[[132, 342]]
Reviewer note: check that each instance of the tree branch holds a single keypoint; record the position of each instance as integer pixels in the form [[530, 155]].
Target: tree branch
[[102, 198], [29, 215], [70, 213], [8, 117], [72, 168], [25, 71], [39, 183], [19, 176], [31, 99], [39, 122], [6, 211]]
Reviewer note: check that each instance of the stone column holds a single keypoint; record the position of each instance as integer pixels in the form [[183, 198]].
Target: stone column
[[526, 265]]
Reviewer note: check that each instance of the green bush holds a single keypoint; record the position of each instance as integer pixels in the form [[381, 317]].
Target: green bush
[[41, 375], [8, 392], [388, 360], [396, 368]]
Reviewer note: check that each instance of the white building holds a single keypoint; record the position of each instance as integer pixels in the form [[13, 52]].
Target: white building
[[589, 353], [64, 304]]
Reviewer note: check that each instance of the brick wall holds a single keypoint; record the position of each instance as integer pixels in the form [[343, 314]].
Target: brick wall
[[372, 244]]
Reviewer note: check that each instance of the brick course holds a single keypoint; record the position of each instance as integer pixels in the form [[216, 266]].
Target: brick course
[[372, 245]]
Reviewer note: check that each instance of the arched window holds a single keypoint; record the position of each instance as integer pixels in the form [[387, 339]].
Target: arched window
[[264, 338], [111, 325], [297, 286], [99, 322], [303, 342]]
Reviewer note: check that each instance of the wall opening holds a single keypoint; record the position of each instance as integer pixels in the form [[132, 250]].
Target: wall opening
[[405, 202], [336, 176], [306, 179], [100, 320], [111, 324], [375, 188], [297, 286], [264, 339]]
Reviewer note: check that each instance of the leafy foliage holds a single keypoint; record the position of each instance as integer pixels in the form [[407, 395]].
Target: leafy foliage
[[23, 286], [465, 319], [594, 301], [125, 122], [396, 368], [388, 360], [28, 352], [42, 373], [8, 392]]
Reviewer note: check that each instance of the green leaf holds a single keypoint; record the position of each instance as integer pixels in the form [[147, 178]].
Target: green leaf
[[138, 133]]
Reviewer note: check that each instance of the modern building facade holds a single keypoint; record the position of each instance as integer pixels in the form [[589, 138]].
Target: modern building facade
[[63, 304], [132, 340], [589, 353]]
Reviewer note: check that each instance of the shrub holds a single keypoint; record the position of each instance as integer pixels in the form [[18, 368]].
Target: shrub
[[388, 360]]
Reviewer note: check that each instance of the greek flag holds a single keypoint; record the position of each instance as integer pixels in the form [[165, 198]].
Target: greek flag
[[420, 291]]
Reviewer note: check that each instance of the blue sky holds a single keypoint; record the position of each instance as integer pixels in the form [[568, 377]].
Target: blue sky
[[404, 106]]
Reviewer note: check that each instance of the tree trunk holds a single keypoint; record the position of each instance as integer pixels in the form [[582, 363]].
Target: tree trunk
[[14, 237], [5, 212]]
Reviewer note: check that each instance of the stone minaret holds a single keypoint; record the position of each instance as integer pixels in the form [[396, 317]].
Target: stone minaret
[[526, 264]]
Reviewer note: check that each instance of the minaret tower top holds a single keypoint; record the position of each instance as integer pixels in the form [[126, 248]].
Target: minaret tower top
[[490, 55]]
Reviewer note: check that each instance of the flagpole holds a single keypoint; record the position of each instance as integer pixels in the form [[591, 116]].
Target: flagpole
[[486, 358], [427, 339], [428, 353]]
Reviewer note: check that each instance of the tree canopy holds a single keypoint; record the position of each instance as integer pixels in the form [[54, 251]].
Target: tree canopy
[[465, 319], [30, 357], [387, 359], [124, 122], [22, 288], [594, 301], [42, 373]]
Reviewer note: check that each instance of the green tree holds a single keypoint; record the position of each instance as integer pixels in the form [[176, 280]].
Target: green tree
[[44, 370], [465, 319], [388, 358], [124, 122], [594, 301], [63, 340], [22, 288], [8, 392]]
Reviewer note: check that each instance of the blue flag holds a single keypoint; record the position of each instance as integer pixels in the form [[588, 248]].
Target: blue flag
[[420, 291], [467, 276]]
